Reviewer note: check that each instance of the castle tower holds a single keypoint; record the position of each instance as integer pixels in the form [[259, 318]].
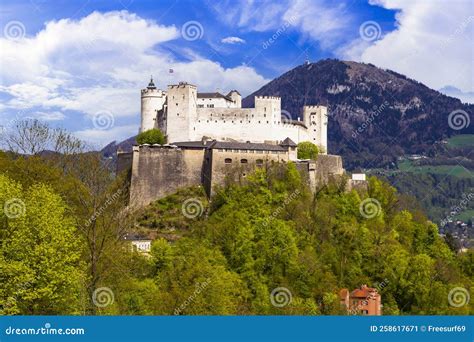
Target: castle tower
[[152, 101], [316, 119], [181, 112], [236, 97], [268, 108]]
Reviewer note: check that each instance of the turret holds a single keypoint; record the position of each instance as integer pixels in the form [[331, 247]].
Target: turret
[[152, 101]]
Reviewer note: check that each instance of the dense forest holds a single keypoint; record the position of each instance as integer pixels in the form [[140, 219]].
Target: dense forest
[[65, 216]]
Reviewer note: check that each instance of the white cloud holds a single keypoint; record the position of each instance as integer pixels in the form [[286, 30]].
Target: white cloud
[[100, 62], [49, 116], [232, 40], [321, 20], [432, 43], [101, 137]]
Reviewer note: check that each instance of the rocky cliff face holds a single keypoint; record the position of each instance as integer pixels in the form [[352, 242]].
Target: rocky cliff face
[[375, 115]]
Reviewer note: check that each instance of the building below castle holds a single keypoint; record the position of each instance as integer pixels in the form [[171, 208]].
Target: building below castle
[[212, 140], [362, 301]]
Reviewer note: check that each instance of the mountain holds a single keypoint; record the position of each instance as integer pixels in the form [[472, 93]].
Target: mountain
[[110, 150], [375, 115]]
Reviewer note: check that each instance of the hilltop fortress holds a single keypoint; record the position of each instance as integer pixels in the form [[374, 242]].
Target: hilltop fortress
[[212, 140], [186, 115]]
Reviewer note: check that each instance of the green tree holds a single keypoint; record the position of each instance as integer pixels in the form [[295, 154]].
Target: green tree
[[40, 269], [307, 150], [152, 136]]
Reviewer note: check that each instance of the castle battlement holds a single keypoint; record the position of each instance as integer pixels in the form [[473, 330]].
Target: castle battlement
[[155, 92], [181, 85], [313, 107], [268, 97]]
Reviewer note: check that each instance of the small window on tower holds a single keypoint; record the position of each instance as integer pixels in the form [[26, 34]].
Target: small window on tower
[[243, 161], [228, 161]]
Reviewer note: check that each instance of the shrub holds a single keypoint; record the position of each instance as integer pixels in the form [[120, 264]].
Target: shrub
[[152, 136], [307, 150]]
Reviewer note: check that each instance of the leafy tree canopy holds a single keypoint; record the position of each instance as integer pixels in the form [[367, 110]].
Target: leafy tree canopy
[[307, 150], [152, 136]]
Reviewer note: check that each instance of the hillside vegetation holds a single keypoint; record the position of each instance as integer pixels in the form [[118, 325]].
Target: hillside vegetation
[[225, 256]]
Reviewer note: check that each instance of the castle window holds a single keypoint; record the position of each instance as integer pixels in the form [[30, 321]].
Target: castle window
[[201, 106], [259, 122], [176, 104], [240, 121], [243, 161], [228, 161], [267, 122], [264, 115], [259, 162]]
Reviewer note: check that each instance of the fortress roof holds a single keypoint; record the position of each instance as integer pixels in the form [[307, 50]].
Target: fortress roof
[[215, 95], [288, 142], [234, 145], [232, 91], [245, 146]]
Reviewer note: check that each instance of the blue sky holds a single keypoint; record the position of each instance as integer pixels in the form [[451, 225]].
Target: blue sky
[[80, 64]]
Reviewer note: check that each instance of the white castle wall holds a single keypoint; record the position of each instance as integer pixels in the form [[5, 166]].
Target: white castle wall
[[215, 103], [186, 122], [244, 124]]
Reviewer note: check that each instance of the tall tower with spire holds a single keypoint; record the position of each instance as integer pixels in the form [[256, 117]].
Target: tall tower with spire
[[152, 102]]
